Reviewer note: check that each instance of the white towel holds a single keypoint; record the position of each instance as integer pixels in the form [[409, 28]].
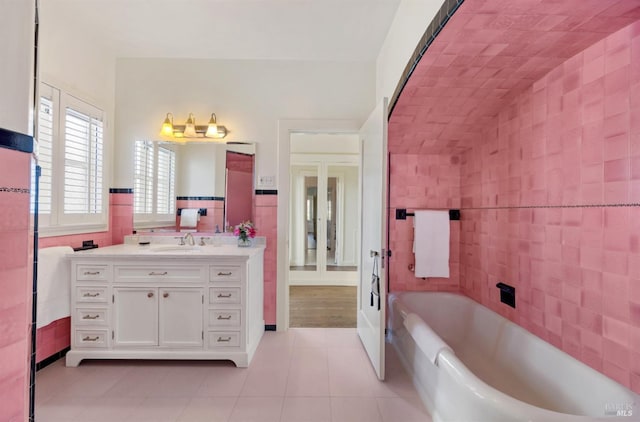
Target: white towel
[[431, 243], [54, 285], [189, 217], [427, 340]]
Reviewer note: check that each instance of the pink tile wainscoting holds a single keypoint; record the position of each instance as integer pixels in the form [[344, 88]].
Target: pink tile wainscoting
[[266, 207], [16, 259], [214, 217]]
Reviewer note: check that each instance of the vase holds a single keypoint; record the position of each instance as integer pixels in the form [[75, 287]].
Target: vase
[[244, 243]]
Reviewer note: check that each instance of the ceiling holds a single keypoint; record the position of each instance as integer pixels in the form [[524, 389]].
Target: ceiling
[[487, 54], [322, 30]]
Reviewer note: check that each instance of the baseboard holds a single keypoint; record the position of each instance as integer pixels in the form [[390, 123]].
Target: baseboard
[[54, 357]]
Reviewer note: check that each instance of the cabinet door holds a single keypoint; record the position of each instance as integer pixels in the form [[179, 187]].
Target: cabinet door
[[181, 317], [135, 316]]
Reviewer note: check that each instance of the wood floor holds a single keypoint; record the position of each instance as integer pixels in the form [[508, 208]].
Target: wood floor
[[322, 306]]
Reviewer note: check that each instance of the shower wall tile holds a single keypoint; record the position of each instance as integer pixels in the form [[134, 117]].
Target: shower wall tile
[[419, 181], [576, 269]]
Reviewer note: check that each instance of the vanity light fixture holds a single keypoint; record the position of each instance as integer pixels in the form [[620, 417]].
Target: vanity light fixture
[[212, 132]]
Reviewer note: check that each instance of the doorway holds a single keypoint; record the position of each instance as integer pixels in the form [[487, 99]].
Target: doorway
[[324, 230]]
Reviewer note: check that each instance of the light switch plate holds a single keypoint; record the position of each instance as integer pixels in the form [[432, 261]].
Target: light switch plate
[[266, 181]]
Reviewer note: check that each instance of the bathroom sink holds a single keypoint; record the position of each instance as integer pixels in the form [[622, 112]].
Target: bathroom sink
[[175, 249]]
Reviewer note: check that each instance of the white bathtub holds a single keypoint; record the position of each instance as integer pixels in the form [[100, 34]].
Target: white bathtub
[[497, 370]]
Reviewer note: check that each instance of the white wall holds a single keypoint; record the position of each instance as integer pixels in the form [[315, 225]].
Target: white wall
[[248, 97], [411, 20], [351, 232], [81, 66], [201, 170], [16, 71]]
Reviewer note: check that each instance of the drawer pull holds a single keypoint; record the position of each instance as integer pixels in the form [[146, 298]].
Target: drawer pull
[[96, 316], [91, 294], [158, 273], [224, 340], [220, 295], [165, 294], [92, 273], [225, 273], [150, 294], [225, 318], [87, 338]]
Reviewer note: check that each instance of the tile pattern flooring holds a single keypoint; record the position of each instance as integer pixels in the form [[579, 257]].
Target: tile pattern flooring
[[302, 375]]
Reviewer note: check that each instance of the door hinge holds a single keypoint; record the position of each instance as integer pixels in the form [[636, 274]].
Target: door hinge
[[113, 298], [202, 332], [203, 299], [113, 335]]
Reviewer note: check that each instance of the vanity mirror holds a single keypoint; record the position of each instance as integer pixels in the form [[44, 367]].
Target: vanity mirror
[[218, 178]]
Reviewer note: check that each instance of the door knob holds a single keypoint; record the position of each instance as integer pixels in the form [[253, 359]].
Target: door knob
[[150, 294]]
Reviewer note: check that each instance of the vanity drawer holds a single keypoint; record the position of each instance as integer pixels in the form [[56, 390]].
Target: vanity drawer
[[93, 316], [93, 294], [224, 339], [225, 273], [225, 295], [158, 273], [92, 272], [224, 317], [91, 338]]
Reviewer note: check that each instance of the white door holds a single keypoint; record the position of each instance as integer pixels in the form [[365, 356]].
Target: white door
[[136, 316], [181, 317], [371, 308]]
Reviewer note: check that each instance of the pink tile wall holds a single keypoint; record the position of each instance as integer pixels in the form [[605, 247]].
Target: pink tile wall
[[120, 216], [421, 181], [573, 138], [266, 219], [15, 273], [215, 213]]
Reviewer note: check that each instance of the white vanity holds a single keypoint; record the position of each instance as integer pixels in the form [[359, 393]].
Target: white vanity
[[166, 302]]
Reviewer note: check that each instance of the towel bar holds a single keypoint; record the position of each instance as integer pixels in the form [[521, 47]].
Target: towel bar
[[402, 214]]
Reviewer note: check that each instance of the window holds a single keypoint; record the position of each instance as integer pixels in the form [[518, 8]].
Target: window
[[165, 195], [45, 153], [143, 178], [71, 155], [154, 184], [82, 163]]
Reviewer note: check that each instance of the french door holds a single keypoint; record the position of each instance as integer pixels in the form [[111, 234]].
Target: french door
[[324, 224]]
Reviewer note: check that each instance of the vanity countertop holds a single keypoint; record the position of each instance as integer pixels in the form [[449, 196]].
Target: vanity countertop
[[167, 251]]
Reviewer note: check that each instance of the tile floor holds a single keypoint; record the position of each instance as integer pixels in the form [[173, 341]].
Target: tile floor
[[302, 375]]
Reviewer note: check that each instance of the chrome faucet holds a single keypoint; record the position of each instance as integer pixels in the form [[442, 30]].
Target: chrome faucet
[[188, 239]]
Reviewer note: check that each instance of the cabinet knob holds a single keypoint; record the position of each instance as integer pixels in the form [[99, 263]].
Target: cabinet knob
[[150, 294], [165, 294]]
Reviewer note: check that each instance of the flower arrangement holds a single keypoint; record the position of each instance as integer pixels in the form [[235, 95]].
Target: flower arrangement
[[245, 230]]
